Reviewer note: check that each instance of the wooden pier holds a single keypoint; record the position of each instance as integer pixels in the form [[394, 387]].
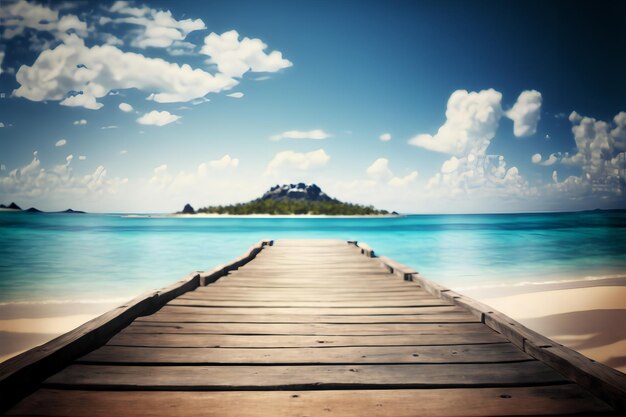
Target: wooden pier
[[306, 328]]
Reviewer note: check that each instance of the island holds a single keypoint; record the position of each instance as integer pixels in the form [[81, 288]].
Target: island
[[291, 199]]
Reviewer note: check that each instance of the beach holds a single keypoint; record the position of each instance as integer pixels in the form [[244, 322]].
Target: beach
[[585, 315]]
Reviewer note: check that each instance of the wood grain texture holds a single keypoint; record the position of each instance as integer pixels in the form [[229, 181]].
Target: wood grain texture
[[498, 352], [556, 400], [278, 341], [247, 377]]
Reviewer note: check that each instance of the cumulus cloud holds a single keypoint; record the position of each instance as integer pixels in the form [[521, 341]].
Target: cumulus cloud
[[80, 122], [235, 95], [157, 28], [379, 172], [82, 157], [316, 134], [1, 124], [379, 169], [164, 179], [471, 123], [79, 75], [385, 137], [224, 162], [60, 142], [403, 181], [600, 154], [157, 118], [17, 17], [32, 180], [125, 107], [234, 57], [526, 113], [297, 161], [537, 159]]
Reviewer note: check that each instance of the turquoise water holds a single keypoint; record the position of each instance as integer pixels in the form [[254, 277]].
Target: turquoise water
[[99, 256]]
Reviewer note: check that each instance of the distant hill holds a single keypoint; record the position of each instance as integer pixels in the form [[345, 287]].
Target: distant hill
[[292, 199], [15, 207]]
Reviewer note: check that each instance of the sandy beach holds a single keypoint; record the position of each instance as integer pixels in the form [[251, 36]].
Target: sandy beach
[[586, 315]]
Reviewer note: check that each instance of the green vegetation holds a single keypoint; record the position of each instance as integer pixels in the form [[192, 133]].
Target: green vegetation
[[294, 206]]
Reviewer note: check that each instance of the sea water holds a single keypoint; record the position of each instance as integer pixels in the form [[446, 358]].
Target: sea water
[[95, 257]]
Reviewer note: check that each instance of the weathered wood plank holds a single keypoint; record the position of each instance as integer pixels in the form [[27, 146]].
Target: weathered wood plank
[[498, 352], [236, 341], [541, 400], [429, 302], [304, 329], [304, 377], [296, 312], [164, 317]]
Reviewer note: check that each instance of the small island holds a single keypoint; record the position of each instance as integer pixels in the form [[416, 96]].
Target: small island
[[292, 199]]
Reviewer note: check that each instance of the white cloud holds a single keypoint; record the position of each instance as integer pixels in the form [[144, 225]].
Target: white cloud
[[471, 123], [379, 170], [18, 16], [123, 152], [385, 137], [157, 118], [537, 159], [204, 173], [73, 67], [80, 122], [235, 95], [600, 153], [125, 107], [379, 173], [224, 162], [450, 165], [60, 142], [108, 127], [297, 161], [31, 181], [158, 28], [316, 134], [403, 181], [526, 113], [1, 124], [234, 57], [82, 157]]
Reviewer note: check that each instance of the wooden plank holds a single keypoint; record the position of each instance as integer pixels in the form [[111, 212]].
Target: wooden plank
[[236, 341], [182, 301], [304, 377], [498, 352], [363, 313], [163, 317], [322, 308], [541, 400], [304, 329]]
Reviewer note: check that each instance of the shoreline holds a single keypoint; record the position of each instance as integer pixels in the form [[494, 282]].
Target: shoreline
[[585, 315]]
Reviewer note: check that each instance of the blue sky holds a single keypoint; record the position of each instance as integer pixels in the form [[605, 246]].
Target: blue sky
[[420, 107]]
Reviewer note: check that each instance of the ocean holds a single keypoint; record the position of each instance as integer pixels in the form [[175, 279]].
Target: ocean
[[100, 257]]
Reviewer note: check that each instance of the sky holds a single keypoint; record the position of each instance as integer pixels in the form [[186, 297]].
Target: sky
[[412, 106]]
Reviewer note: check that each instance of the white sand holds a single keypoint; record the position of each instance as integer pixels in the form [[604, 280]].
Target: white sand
[[589, 319]]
